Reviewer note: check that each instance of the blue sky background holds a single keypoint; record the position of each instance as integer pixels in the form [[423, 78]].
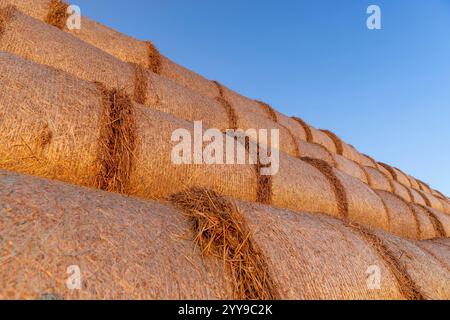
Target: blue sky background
[[387, 92]]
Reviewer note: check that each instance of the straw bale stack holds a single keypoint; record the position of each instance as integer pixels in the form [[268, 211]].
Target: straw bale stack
[[126, 248]]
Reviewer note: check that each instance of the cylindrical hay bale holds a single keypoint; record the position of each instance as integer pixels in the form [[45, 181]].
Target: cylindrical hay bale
[[124, 237], [323, 139], [446, 206], [314, 150], [55, 128], [243, 104], [386, 172], [426, 226], [121, 46], [401, 191], [417, 197], [402, 220], [378, 180], [123, 248], [285, 236], [29, 38], [433, 202], [438, 249], [364, 205], [402, 178], [37, 9], [442, 223], [293, 126], [350, 152], [424, 186], [414, 183], [247, 120], [299, 186], [430, 277], [351, 168]]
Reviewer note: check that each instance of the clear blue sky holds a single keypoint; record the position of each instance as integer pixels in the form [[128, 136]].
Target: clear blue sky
[[386, 92]]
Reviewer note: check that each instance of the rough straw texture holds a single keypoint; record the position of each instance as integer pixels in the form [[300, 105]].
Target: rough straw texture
[[220, 231], [132, 249]]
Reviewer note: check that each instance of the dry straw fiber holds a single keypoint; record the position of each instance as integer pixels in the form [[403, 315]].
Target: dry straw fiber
[[28, 38], [116, 241]]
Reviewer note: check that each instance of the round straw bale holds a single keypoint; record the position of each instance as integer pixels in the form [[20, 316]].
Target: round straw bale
[[402, 220], [402, 178], [38, 9], [124, 248], [350, 152], [428, 274], [293, 126], [351, 168], [434, 202], [243, 104], [443, 221], [401, 191], [306, 241], [67, 114], [299, 186], [417, 197], [248, 120], [439, 250], [386, 172], [314, 150], [424, 186], [426, 226], [378, 180], [28, 38], [323, 139], [364, 205], [414, 183]]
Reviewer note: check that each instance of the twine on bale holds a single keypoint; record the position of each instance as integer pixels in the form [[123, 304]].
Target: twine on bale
[[425, 198], [117, 141], [231, 113], [269, 110], [273, 116], [140, 84], [390, 169], [57, 14], [406, 285], [413, 211], [338, 188], [154, 58], [437, 224], [309, 136], [264, 182], [220, 231], [337, 141]]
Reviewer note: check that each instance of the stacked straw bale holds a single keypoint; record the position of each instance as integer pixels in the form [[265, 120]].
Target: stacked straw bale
[[117, 243], [63, 134]]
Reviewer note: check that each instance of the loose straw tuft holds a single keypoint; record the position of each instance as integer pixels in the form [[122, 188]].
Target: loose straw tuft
[[154, 58], [406, 285], [140, 84], [117, 141], [221, 232], [57, 14], [338, 188]]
